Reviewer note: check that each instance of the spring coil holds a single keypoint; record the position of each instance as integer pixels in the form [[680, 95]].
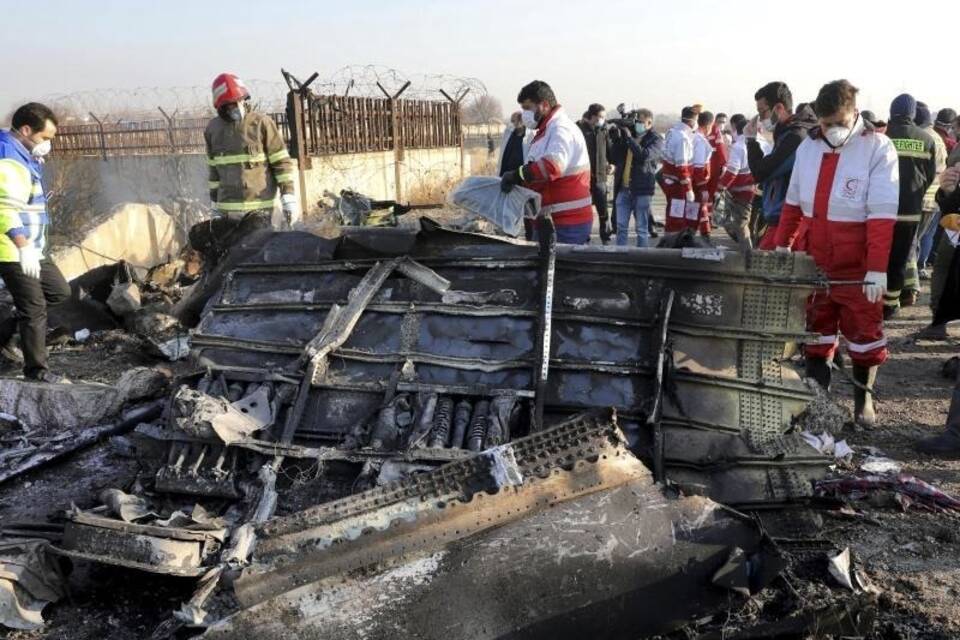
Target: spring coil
[[441, 422], [478, 425]]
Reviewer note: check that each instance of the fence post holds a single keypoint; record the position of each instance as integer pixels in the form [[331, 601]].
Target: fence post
[[458, 105], [170, 135], [296, 119], [396, 134], [103, 142]]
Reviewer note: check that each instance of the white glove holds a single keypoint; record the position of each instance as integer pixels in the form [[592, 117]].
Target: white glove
[[291, 208], [690, 197], [782, 249], [876, 285], [30, 261]]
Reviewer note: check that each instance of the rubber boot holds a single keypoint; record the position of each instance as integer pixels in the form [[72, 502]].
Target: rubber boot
[[947, 444], [819, 370], [863, 413]]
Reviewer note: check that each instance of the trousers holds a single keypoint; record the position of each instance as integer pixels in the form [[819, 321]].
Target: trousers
[[844, 310], [904, 239], [32, 298], [633, 206]]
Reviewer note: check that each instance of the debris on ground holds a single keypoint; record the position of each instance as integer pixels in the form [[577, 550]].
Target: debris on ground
[[29, 581], [369, 428], [906, 490]]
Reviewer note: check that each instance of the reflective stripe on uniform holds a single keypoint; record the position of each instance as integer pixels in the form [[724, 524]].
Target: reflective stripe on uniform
[[566, 206], [274, 158], [249, 205], [219, 161], [283, 177], [213, 185], [864, 347]]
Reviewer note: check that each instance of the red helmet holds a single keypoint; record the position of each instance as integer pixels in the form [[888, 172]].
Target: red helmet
[[228, 88]]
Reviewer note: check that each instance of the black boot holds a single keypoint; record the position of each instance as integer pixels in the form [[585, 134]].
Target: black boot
[[863, 412], [819, 370], [946, 444]]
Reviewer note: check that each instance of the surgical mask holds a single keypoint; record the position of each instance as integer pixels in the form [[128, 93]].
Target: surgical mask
[[528, 118], [837, 135], [237, 114], [640, 128], [601, 122], [41, 149]]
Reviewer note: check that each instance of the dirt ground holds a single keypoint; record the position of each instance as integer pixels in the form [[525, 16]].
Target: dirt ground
[[912, 557]]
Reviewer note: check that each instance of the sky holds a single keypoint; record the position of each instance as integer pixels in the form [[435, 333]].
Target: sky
[[660, 54]]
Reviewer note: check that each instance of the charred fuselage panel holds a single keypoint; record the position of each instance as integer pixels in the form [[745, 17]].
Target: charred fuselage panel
[[463, 341]]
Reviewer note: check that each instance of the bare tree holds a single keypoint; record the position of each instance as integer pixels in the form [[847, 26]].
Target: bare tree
[[483, 109]]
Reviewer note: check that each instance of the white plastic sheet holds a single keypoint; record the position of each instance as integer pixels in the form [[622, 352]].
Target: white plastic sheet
[[482, 195]]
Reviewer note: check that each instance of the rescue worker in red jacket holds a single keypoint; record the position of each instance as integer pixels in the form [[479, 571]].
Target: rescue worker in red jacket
[[676, 176], [558, 166], [845, 190], [737, 181], [702, 167], [718, 160]]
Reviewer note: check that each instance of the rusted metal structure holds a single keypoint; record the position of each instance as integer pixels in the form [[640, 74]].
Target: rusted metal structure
[[457, 395], [330, 125]]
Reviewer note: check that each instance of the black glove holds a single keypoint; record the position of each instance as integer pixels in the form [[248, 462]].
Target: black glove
[[509, 180]]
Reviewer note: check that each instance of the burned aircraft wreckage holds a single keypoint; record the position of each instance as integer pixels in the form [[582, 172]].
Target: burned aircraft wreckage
[[537, 437]]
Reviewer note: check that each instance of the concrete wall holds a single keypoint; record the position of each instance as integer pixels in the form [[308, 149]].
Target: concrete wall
[[92, 187], [425, 174], [143, 235]]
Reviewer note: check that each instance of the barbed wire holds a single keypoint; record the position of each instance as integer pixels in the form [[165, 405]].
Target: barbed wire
[[140, 103]]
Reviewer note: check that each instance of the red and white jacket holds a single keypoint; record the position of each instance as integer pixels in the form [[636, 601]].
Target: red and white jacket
[[558, 168], [736, 177], [701, 166], [718, 159], [677, 174], [846, 200]]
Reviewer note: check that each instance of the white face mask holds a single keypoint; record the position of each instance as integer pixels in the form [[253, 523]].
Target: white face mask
[[837, 135], [601, 122], [528, 118], [237, 114], [41, 149]]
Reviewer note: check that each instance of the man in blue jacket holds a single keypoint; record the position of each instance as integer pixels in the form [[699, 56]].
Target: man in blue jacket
[[772, 170], [34, 282], [637, 155]]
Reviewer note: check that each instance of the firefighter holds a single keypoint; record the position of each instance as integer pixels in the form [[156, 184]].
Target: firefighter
[[558, 165], [248, 163], [845, 189], [676, 177], [916, 153], [34, 282]]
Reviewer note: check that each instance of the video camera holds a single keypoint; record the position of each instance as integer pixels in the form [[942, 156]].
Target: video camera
[[627, 121]]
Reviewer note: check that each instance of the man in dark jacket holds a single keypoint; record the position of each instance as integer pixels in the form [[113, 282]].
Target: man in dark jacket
[[637, 155], [772, 171], [598, 147], [944, 128], [915, 151], [948, 443]]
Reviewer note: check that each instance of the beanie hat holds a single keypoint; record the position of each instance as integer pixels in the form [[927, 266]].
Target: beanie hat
[[923, 117], [946, 117], [903, 105]]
